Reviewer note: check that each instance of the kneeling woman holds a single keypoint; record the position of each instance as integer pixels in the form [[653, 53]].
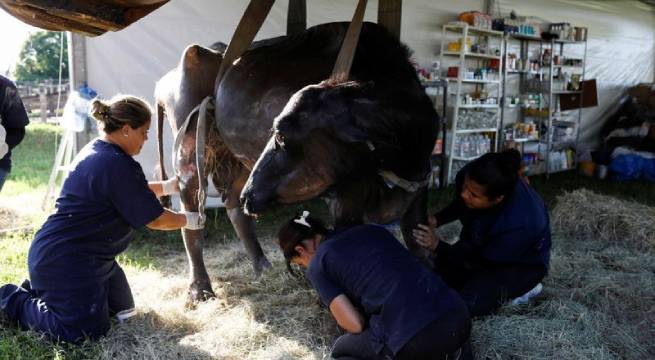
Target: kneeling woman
[[76, 283], [504, 247], [390, 304]]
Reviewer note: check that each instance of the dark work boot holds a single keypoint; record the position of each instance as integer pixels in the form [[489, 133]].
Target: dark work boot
[[11, 299]]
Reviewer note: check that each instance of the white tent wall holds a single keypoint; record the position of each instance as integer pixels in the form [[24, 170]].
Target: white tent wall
[[621, 43]]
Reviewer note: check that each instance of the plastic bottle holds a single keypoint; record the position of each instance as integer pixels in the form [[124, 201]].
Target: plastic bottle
[[466, 144], [457, 146], [487, 144]]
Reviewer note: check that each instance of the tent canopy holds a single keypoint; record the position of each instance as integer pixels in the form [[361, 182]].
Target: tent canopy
[[88, 17]]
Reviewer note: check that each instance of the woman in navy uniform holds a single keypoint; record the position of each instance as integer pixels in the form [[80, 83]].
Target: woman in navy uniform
[[390, 304], [76, 284], [503, 250]]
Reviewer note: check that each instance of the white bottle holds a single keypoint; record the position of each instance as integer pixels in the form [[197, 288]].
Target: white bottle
[[487, 144], [457, 146], [466, 147]]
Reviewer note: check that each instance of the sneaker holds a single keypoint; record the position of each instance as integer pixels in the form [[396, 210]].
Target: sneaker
[[523, 299]]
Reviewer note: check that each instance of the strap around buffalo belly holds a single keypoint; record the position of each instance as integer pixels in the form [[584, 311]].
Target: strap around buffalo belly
[[394, 180], [203, 110]]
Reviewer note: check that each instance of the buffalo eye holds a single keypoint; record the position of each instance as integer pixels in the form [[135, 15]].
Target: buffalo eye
[[279, 139]]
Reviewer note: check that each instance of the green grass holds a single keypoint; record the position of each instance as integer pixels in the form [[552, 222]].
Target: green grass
[[33, 159]]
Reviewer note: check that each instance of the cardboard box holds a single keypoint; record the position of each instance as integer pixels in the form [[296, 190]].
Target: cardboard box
[[573, 101]]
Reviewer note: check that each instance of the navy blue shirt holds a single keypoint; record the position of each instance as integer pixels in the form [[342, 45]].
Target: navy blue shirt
[[103, 199], [12, 117], [398, 295], [516, 231]]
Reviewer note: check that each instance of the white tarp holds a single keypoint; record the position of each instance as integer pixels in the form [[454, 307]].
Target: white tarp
[[621, 49]]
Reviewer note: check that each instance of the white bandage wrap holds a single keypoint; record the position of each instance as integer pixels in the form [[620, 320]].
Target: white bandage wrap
[[194, 221], [122, 316], [4, 148], [168, 186]]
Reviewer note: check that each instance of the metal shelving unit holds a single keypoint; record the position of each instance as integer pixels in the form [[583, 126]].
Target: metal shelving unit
[[555, 115], [524, 74], [546, 115], [463, 85]]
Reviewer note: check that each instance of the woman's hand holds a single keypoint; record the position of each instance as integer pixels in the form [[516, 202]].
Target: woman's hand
[[425, 236], [163, 188]]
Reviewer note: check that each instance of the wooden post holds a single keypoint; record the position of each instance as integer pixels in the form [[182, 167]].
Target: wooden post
[[296, 17], [389, 15], [77, 77]]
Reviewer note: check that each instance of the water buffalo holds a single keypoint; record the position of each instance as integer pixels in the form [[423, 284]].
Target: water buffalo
[[176, 94], [329, 140]]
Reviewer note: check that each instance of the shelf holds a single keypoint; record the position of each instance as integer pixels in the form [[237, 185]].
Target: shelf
[[474, 29], [565, 122], [518, 36], [566, 92], [561, 66], [523, 72], [464, 158], [475, 81], [481, 106], [472, 131], [473, 55], [433, 83], [523, 140], [569, 41]]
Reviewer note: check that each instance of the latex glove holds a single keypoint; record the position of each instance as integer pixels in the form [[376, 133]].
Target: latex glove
[[194, 221], [170, 186]]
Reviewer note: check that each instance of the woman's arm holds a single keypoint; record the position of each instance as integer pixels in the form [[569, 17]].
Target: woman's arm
[[170, 220], [163, 188], [346, 314]]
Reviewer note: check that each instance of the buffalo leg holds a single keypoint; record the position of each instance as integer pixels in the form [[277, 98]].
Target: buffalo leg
[[416, 214], [244, 225], [200, 288]]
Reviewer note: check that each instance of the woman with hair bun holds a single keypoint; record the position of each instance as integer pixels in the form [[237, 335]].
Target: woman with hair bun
[[391, 305], [75, 283], [503, 251]]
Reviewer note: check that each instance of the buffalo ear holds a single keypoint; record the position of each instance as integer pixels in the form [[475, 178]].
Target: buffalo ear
[[351, 134]]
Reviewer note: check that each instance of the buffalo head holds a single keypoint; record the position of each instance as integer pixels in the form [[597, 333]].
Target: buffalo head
[[319, 138]]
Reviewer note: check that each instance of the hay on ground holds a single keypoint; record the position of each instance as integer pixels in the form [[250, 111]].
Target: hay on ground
[[583, 214]]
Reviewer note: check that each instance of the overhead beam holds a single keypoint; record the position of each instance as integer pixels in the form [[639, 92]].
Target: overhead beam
[[87, 17], [389, 15], [296, 16]]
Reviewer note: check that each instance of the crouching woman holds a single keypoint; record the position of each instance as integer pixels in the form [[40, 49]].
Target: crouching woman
[[76, 283], [503, 250], [389, 303]]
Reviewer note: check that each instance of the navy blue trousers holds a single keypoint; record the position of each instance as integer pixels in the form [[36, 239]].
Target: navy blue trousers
[[485, 287], [70, 315], [438, 340]]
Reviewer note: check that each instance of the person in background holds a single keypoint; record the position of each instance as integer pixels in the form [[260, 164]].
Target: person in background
[[76, 284], [13, 120], [503, 250], [390, 304]]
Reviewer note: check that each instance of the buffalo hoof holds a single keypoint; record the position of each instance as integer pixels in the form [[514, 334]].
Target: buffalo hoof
[[199, 292], [260, 265]]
